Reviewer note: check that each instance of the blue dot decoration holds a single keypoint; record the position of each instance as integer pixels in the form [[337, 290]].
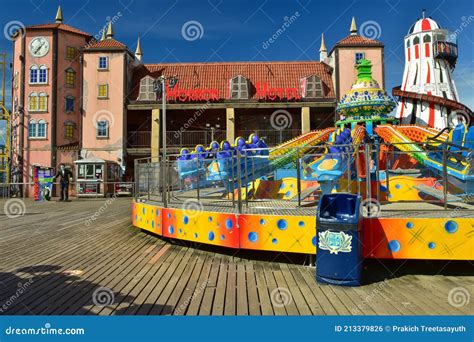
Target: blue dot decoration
[[397, 186], [410, 225], [282, 185], [288, 193], [185, 219], [432, 245], [169, 215], [143, 210], [229, 224], [274, 241], [282, 224], [394, 246], [209, 218], [195, 235], [171, 229], [222, 237], [262, 222], [383, 188], [253, 237], [210, 236], [301, 224], [313, 241], [152, 224], [157, 213], [451, 227]]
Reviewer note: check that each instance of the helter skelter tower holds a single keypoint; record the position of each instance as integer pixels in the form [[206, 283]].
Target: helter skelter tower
[[428, 95]]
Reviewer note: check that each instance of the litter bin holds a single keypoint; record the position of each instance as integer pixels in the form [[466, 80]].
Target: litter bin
[[338, 248]]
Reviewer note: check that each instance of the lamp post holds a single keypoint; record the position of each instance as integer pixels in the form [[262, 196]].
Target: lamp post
[[160, 88]]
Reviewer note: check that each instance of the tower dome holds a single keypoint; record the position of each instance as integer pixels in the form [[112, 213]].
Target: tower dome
[[423, 24]]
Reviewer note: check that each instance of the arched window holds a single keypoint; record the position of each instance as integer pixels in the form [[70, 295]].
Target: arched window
[[239, 88], [426, 38], [33, 102], [147, 93], [32, 128], [42, 102], [41, 132], [34, 74], [416, 40], [43, 74], [69, 104], [70, 77], [408, 43], [102, 129], [314, 87], [69, 128]]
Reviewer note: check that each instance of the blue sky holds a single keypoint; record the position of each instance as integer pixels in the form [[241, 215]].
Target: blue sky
[[235, 30]]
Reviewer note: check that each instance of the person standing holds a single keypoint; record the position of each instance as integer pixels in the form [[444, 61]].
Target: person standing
[[65, 175]]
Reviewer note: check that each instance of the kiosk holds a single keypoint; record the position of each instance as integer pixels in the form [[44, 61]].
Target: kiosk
[[96, 177]]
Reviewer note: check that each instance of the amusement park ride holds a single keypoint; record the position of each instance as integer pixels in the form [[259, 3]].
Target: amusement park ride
[[421, 153]]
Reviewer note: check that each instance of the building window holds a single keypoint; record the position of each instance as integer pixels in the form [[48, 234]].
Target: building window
[[416, 41], [70, 52], [32, 129], [359, 56], [408, 43], [102, 129], [103, 91], [41, 129], [314, 87], [103, 63], [37, 130], [33, 102], [70, 77], [69, 104], [42, 102], [69, 128], [43, 74], [34, 74], [239, 88], [147, 92], [426, 38]]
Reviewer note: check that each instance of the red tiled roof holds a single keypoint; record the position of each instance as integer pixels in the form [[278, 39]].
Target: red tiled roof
[[218, 75], [59, 26], [352, 40], [108, 43]]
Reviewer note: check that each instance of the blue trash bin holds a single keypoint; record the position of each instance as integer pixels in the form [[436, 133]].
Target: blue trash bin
[[338, 248]]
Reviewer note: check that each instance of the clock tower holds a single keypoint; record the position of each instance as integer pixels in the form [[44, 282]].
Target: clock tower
[[46, 95]]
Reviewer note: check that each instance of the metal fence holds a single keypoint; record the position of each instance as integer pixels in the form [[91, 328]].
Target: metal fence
[[375, 171]]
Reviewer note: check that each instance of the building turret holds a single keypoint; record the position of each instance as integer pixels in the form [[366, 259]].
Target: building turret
[[59, 16], [353, 27], [138, 51], [323, 52]]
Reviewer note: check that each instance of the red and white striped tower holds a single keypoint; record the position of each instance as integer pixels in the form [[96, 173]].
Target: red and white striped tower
[[430, 57]]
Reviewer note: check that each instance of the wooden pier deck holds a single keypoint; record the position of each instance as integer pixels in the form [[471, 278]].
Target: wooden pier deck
[[72, 258]]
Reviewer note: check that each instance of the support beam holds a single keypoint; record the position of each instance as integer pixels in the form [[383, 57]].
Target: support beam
[[155, 134], [305, 120], [230, 124]]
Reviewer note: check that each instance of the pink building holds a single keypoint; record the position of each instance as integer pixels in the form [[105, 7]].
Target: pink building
[[77, 98]]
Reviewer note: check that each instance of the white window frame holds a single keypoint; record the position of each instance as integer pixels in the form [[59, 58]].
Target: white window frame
[[36, 68], [242, 92], [317, 86], [40, 95], [106, 63], [146, 84], [32, 131], [106, 93], [41, 68], [107, 127], [42, 121], [355, 56], [35, 95]]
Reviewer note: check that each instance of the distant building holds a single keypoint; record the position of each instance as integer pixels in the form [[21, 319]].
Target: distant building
[[81, 98]]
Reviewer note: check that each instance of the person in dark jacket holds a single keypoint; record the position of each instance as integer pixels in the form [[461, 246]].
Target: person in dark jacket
[[65, 176]]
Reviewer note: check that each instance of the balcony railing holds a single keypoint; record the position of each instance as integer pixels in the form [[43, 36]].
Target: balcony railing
[[139, 139], [272, 137]]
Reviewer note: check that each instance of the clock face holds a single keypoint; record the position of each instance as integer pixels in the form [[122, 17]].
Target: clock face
[[39, 47]]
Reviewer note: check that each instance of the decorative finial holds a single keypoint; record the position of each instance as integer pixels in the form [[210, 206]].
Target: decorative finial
[[323, 46], [353, 27], [59, 15], [138, 51], [423, 12], [103, 34], [110, 32]]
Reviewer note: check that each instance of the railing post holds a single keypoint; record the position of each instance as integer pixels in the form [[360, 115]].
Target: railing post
[[198, 180], [239, 184], [298, 175], [232, 180], [163, 185], [445, 180], [246, 179], [388, 160], [368, 156], [135, 175]]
